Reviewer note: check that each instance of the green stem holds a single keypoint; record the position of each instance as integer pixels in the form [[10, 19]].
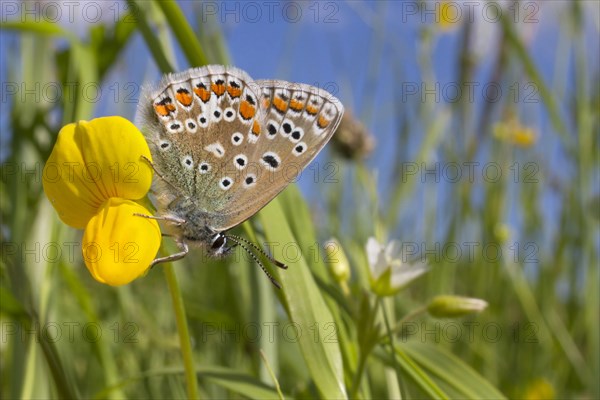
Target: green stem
[[182, 329], [275, 381], [183, 32], [364, 353], [390, 336], [398, 327], [154, 45]]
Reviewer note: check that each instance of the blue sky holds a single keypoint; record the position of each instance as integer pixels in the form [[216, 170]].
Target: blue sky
[[370, 54]]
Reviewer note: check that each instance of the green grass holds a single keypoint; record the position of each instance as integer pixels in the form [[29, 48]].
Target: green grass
[[217, 329]]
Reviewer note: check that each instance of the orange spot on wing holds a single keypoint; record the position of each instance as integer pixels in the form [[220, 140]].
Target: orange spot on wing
[[296, 105], [202, 92], [161, 110], [184, 98], [312, 110], [234, 91], [280, 104], [256, 128], [323, 122], [266, 103], [247, 110], [218, 89]]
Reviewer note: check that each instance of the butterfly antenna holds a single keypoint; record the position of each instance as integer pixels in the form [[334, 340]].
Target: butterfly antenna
[[236, 241], [261, 251]]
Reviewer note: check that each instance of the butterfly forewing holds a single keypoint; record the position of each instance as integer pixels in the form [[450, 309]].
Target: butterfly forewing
[[232, 144], [191, 119]]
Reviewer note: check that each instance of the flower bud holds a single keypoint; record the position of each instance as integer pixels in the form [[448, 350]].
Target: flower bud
[[449, 306], [336, 260]]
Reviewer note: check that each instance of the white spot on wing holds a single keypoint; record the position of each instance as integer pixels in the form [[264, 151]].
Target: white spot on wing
[[174, 126], [270, 160], [216, 149], [164, 145], [204, 167], [191, 126], [240, 161], [299, 148], [296, 134], [202, 121], [249, 180], [229, 114], [226, 183], [237, 139], [187, 162]]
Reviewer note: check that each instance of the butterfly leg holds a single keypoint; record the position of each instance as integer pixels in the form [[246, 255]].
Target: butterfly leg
[[175, 220], [173, 257], [155, 170]]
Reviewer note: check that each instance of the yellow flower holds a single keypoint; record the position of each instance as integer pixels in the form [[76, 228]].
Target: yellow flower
[[93, 161], [539, 389], [94, 172], [117, 245], [524, 137], [512, 131], [447, 14]]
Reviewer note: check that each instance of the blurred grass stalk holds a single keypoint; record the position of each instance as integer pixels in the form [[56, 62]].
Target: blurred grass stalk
[[568, 332]]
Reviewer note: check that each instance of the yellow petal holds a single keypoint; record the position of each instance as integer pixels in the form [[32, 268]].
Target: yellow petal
[[112, 148], [118, 246], [93, 161], [74, 197]]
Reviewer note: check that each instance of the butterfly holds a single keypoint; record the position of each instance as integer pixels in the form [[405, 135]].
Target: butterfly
[[224, 145]]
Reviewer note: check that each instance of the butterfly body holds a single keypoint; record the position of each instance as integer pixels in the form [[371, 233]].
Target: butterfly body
[[225, 145]]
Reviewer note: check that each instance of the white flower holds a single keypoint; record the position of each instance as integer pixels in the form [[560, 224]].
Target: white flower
[[389, 273]]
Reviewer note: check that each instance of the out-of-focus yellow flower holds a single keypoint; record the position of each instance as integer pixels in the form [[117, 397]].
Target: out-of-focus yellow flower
[[448, 306], [540, 389], [502, 232], [447, 14], [117, 245], [512, 131], [389, 274], [92, 162], [94, 172]]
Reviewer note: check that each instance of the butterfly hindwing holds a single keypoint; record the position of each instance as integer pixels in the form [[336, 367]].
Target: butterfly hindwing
[[297, 120]]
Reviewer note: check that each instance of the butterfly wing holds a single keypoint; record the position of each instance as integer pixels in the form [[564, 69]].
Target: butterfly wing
[[296, 121], [231, 144], [189, 120]]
